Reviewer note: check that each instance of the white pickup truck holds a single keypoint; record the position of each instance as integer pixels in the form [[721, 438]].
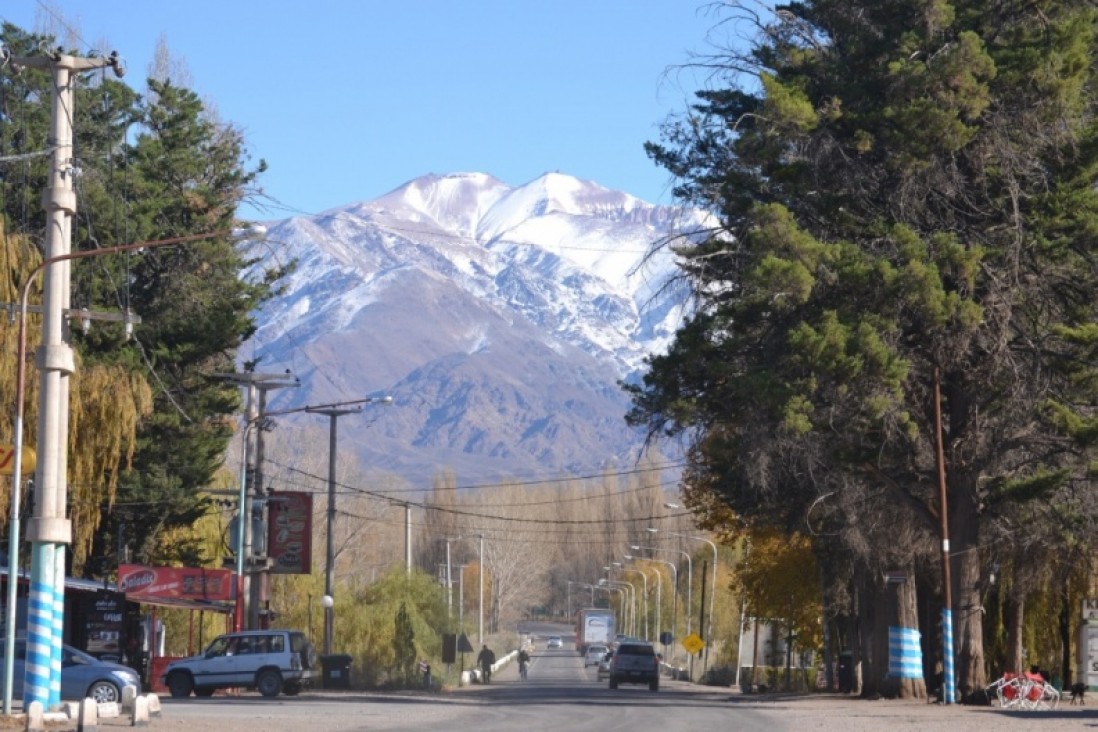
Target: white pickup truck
[[635, 663]]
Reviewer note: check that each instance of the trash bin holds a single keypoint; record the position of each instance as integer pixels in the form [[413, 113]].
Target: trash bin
[[336, 671], [846, 672]]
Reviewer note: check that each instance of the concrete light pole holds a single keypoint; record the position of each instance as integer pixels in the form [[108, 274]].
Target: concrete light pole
[[246, 612], [449, 579], [713, 594], [631, 620], [333, 413], [480, 595], [49, 530], [689, 576], [644, 580], [659, 596], [674, 591]]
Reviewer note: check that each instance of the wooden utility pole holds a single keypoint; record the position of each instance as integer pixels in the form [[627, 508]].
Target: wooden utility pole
[[948, 684]]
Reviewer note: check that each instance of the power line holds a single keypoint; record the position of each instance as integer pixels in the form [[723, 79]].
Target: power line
[[505, 484]]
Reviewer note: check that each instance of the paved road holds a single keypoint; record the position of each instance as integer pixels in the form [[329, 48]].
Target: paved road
[[563, 695]]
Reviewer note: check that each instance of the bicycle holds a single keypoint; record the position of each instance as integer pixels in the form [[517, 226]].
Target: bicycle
[[522, 671]]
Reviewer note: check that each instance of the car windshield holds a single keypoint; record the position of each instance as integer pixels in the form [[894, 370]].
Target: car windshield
[[637, 649]]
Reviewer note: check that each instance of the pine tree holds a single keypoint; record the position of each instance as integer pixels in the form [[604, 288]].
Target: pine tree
[[151, 169], [906, 188]]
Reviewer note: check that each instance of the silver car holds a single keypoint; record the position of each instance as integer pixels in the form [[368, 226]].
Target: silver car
[[595, 653], [82, 676], [272, 661], [604, 666]]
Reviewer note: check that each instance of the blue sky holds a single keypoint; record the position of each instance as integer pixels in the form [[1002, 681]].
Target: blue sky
[[347, 100]]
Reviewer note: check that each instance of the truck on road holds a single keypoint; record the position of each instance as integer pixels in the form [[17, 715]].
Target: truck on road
[[594, 626], [635, 663]]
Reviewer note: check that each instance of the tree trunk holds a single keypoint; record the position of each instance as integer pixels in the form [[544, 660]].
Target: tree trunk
[[863, 632], [968, 617], [874, 616], [1015, 653], [1065, 636], [903, 615]]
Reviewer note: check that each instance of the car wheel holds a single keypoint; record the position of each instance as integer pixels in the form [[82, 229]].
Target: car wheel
[[204, 690], [613, 683], [308, 658], [269, 683], [180, 685], [103, 692]]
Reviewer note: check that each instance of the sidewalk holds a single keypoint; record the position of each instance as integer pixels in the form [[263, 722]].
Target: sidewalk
[[850, 714]]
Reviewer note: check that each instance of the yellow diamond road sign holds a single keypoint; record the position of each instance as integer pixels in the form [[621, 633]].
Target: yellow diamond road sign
[[693, 643], [7, 460]]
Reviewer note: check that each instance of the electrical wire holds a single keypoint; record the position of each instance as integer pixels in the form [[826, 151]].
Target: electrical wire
[[504, 484]]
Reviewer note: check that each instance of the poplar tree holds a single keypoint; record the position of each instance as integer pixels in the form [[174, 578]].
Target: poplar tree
[[905, 189]]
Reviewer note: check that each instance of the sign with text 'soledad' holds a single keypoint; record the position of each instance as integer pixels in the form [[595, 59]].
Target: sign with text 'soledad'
[[174, 583], [290, 532]]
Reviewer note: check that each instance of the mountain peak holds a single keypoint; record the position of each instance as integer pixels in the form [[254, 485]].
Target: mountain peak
[[499, 318]]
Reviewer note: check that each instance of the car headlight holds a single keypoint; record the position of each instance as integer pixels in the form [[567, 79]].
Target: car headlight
[[127, 678]]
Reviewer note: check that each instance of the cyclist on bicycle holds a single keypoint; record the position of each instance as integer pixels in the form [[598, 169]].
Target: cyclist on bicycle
[[524, 660]]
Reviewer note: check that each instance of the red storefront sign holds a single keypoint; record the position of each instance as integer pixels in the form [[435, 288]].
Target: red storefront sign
[[290, 532], [186, 583]]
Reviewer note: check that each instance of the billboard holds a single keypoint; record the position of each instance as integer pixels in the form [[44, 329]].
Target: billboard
[[290, 532], [174, 583]]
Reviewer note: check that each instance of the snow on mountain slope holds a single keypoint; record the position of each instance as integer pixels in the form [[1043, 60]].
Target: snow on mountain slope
[[500, 319]]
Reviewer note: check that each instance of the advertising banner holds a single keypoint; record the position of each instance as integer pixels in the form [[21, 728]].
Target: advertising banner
[[290, 532], [174, 583], [103, 615]]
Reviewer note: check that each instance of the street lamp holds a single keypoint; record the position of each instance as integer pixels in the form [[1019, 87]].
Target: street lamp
[[644, 579], [659, 599], [689, 575], [713, 592], [480, 595], [623, 610], [449, 579], [47, 451], [675, 589], [632, 615], [581, 584]]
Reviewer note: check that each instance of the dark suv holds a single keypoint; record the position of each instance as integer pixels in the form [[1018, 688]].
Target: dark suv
[[635, 663], [272, 661]]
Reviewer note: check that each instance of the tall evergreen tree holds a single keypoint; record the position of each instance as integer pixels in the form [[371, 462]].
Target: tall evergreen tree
[[150, 168], [906, 188]]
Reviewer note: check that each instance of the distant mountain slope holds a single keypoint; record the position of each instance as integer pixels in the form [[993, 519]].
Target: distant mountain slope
[[500, 320]]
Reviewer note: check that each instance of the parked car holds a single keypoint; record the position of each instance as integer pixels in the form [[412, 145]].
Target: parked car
[[554, 642], [595, 653], [272, 661], [83, 676]]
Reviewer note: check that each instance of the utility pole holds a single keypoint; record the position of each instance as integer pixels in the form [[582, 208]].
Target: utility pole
[[333, 413], [948, 684], [480, 598], [49, 531], [252, 569]]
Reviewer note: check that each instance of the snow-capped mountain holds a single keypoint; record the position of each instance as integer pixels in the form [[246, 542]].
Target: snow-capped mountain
[[499, 319]]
